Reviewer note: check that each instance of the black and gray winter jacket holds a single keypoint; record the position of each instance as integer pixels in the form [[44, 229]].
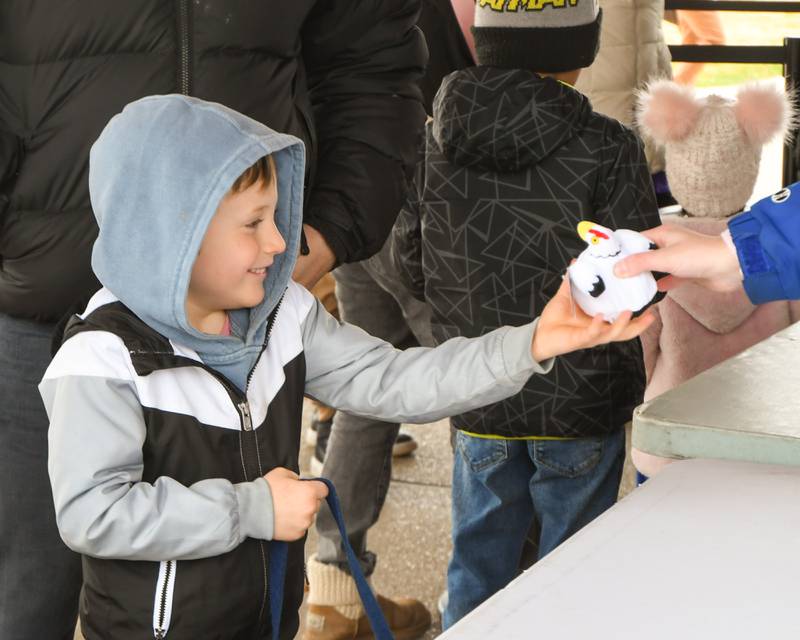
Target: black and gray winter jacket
[[160, 434], [512, 162], [337, 74], [156, 460]]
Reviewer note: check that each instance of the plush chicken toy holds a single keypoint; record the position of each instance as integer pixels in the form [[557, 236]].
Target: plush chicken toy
[[595, 287]]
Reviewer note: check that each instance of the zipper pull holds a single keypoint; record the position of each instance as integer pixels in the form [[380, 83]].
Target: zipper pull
[[246, 421]]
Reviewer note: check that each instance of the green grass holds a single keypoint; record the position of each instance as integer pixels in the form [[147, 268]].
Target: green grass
[[744, 29], [722, 74]]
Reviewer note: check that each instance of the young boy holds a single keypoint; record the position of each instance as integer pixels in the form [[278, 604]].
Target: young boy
[[515, 158], [175, 400]]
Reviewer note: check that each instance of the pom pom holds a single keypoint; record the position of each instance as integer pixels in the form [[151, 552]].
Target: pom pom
[[667, 111], [764, 111]]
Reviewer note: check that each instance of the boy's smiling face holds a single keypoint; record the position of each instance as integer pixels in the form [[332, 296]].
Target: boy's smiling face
[[238, 249]]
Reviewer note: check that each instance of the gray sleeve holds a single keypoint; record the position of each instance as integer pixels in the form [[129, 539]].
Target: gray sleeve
[[350, 370], [104, 509]]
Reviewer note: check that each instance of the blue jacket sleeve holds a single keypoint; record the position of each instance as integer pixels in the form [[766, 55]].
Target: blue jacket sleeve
[[767, 239]]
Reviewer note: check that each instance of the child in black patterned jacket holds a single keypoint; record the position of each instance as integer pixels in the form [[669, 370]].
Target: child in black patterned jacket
[[514, 159]]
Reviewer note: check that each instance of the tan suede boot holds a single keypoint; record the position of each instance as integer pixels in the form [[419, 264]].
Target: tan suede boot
[[335, 611]]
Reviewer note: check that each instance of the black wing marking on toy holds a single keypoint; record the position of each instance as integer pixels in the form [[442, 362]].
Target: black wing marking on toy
[[658, 297], [598, 288]]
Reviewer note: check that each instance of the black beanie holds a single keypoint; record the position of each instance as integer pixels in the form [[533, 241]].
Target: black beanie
[[539, 35]]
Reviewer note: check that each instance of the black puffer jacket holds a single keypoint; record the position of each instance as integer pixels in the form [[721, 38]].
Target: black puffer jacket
[[448, 50], [512, 163], [338, 74]]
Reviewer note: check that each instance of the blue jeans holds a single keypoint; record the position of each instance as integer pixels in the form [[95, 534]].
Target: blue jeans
[[40, 578], [500, 487]]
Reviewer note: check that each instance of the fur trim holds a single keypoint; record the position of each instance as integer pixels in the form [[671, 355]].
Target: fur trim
[[764, 111], [667, 111]]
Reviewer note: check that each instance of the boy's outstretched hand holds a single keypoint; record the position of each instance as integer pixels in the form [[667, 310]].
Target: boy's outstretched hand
[[295, 503], [563, 327]]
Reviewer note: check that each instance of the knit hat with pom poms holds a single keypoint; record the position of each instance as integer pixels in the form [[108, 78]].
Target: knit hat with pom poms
[[713, 144]]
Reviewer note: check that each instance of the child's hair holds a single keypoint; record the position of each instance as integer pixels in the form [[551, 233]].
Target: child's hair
[[262, 170]]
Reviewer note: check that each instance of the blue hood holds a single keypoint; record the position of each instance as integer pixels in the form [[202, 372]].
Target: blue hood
[[157, 173]]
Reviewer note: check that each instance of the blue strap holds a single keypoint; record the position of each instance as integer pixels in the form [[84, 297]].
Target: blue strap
[[278, 554]]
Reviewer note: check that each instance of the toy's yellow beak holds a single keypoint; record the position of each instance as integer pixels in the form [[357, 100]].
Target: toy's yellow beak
[[583, 230]]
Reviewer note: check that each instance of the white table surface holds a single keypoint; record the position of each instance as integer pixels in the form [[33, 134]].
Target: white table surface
[[707, 549], [746, 408]]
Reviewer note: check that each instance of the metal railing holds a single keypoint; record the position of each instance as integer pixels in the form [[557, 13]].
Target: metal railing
[[787, 55]]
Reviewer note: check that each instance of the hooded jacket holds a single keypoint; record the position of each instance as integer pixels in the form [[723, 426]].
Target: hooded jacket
[[512, 163], [156, 455], [336, 74]]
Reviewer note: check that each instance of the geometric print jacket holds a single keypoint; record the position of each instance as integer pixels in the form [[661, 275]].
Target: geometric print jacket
[[512, 163]]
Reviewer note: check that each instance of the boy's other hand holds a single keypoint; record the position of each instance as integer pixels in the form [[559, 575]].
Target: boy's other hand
[[688, 256], [563, 327], [295, 502], [320, 259]]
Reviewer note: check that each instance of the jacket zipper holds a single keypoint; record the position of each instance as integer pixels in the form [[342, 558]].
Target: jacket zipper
[[183, 38], [247, 421], [270, 324], [249, 434], [163, 605], [166, 579], [247, 426]]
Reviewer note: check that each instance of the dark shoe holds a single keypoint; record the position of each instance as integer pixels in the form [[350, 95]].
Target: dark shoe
[[326, 420], [323, 435], [404, 445]]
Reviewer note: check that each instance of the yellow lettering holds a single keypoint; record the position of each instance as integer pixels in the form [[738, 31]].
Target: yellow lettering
[[527, 5], [538, 5], [554, 3], [494, 5]]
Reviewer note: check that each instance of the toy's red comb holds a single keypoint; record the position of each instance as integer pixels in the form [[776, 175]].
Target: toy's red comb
[[599, 234]]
